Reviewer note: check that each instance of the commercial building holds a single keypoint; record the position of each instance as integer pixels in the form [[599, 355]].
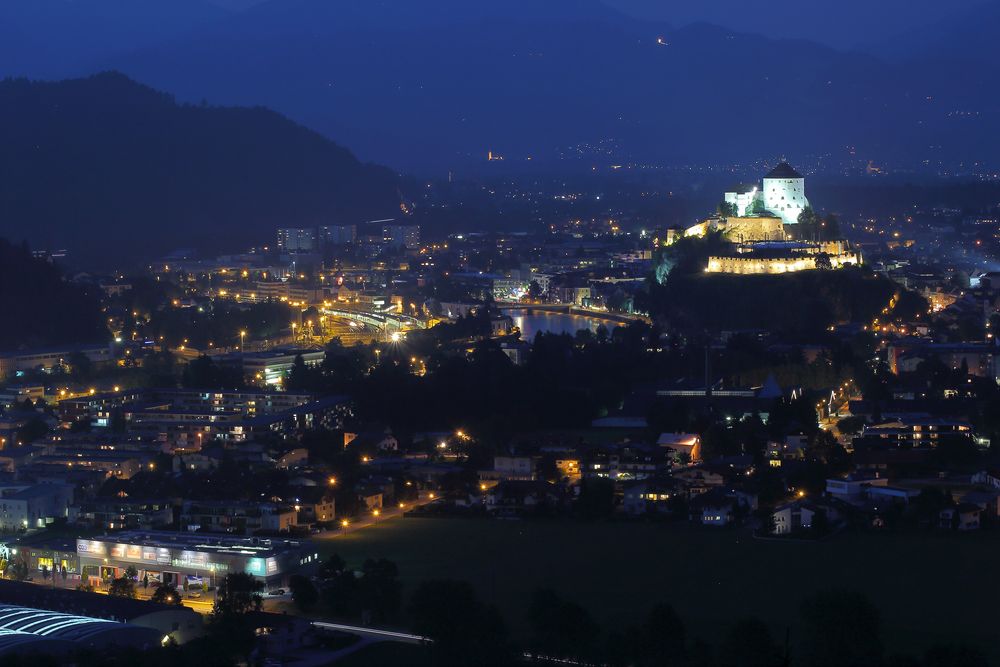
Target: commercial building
[[53, 357], [190, 558], [401, 236], [334, 235], [270, 368], [91, 620], [297, 239]]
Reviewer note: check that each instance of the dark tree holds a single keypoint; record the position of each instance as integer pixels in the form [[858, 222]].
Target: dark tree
[[166, 594], [597, 498], [954, 655], [122, 587], [463, 629], [749, 644], [840, 628], [663, 637], [380, 588], [238, 594], [560, 628], [304, 593]]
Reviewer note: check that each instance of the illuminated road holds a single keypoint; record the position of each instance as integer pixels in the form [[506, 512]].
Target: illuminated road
[[385, 514]]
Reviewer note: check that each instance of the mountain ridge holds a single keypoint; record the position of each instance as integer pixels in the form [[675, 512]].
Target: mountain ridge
[[106, 162], [445, 93]]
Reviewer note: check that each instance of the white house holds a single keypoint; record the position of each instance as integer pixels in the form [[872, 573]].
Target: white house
[[801, 515], [853, 487], [33, 505]]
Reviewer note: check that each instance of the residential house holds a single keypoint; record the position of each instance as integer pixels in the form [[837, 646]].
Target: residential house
[[963, 517], [801, 515], [684, 448], [652, 496], [518, 497]]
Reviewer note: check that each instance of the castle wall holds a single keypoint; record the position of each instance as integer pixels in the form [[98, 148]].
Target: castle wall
[[750, 265], [741, 230]]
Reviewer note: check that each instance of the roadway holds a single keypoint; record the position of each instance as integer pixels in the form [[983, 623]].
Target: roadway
[[372, 519]]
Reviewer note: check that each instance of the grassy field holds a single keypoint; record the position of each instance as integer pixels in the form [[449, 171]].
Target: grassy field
[[387, 653], [930, 587]]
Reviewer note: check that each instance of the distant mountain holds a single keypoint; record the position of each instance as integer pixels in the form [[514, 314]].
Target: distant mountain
[[56, 38], [40, 308], [438, 83], [967, 36], [113, 169], [846, 24]]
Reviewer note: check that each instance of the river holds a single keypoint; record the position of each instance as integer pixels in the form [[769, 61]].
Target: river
[[557, 323]]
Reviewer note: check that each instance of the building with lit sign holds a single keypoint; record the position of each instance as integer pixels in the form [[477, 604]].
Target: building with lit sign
[[189, 558]]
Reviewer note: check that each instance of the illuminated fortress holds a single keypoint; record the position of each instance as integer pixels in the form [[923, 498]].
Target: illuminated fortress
[[783, 195], [762, 222]]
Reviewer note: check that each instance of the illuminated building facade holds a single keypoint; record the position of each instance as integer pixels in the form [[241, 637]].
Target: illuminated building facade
[[786, 257], [189, 558], [783, 194], [294, 239]]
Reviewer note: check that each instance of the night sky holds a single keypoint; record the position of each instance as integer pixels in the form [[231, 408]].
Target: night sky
[[840, 23]]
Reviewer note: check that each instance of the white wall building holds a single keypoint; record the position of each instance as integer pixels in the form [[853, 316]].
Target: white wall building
[[785, 193], [33, 506], [743, 198]]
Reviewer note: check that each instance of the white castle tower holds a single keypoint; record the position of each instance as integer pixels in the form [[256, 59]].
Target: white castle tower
[[785, 193]]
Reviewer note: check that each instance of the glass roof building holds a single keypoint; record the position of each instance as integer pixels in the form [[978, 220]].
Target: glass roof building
[[25, 629]]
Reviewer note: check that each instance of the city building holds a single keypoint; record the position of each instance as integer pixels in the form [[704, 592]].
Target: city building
[[182, 558], [337, 235], [33, 505], [122, 513], [237, 517], [297, 239], [270, 368], [49, 358], [401, 236], [92, 620]]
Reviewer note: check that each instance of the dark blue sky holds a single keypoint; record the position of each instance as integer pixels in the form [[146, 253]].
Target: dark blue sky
[[841, 23]]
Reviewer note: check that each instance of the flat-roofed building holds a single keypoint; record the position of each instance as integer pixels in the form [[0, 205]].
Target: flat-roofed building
[[297, 239], [178, 558]]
